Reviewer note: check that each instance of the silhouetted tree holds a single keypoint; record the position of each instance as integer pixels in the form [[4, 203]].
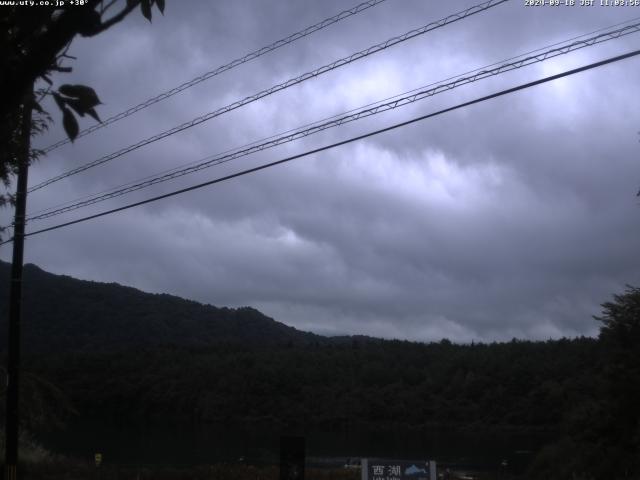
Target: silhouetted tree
[[620, 337], [33, 45]]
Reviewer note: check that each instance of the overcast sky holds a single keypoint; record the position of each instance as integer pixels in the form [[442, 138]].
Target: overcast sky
[[516, 217]]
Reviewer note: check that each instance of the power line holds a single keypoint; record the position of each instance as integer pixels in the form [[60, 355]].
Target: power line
[[255, 142], [223, 68], [343, 142], [338, 121], [276, 88]]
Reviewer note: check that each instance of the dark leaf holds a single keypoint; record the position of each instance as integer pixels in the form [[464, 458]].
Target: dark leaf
[[145, 6], [160, 4], [70, 124], [92, 112], [63, 69], [80, 105], [68, 90], [86, 95], [76, 105], [90, 23], [59, 100]]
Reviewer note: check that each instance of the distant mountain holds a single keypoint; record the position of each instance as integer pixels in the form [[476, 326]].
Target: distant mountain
[[64, 314]]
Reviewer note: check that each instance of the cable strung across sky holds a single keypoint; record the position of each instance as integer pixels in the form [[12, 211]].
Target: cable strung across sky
[[387, 99], [343, 142], [221, 69], [336, 121], [276, 88]]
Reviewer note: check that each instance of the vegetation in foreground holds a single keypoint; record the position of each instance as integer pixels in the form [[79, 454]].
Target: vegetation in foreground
[[64, 469]]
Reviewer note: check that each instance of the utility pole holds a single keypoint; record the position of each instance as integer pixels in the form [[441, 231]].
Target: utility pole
[[15, 295]]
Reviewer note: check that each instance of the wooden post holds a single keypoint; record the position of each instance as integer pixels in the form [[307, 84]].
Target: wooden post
[[15, 297]]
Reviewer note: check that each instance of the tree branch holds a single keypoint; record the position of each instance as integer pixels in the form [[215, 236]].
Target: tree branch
[[116, 18], [106, 7]]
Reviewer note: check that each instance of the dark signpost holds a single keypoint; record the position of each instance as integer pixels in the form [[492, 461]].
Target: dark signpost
[[384, 469], [292, 458]]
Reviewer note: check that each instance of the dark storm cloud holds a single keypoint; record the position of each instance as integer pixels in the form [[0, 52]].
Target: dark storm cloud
[[513, 218]]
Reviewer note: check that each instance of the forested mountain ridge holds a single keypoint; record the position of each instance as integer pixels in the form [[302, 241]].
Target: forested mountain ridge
[[64, 314], [121, 355], [249, 366]]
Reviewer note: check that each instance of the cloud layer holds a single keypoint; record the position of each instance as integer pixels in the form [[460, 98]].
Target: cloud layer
[[512, 218]]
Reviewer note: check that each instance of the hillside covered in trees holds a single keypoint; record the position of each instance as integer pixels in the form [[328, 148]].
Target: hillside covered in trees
[[64, 314], [517, 384], [120, 355]]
